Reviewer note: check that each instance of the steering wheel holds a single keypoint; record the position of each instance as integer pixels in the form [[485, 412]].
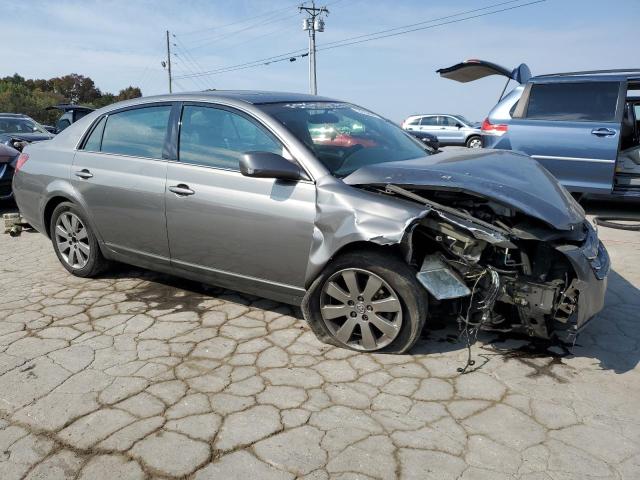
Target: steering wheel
[[348, 152]]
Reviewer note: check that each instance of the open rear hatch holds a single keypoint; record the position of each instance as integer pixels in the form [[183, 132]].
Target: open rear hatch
[[473, 69]]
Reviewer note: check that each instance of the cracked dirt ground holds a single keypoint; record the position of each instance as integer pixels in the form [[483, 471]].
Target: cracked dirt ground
[[139, 375]]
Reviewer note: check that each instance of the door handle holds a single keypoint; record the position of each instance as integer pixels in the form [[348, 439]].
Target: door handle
[[84, 173], [603, 132], [181, 190]]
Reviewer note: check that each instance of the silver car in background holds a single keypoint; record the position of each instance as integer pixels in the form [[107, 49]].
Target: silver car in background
[[318, 203], [451, 130]]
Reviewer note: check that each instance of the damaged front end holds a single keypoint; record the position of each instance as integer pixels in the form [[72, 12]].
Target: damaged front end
[[496, 268]]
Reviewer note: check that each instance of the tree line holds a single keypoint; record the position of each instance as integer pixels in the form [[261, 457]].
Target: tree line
[[33, 96]]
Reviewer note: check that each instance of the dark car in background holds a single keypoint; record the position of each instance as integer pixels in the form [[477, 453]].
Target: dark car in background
[[427, 138], [15, 131], [581, 126], [70, 114], [17, 125]]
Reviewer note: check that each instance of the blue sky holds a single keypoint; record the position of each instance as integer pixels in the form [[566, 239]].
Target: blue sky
[[120, 43]]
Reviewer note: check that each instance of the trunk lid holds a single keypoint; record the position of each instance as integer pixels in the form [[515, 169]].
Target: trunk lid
[[473, 69]]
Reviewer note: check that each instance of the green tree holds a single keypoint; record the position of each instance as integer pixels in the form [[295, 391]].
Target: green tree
[[128, 93], [33, 96]]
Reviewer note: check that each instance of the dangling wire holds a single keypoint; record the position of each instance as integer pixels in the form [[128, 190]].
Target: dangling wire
[[471, 329]]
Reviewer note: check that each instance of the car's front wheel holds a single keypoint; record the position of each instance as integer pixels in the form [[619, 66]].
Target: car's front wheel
[[474, 142], [74, 242], [367, 301]]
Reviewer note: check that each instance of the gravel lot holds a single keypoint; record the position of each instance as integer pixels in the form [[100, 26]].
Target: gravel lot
[[141, 375]]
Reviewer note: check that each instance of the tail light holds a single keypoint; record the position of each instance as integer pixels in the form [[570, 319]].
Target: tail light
[[22, 159], [489, 128]]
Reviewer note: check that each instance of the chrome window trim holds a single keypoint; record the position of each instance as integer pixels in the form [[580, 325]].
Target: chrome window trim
[[575, 159]]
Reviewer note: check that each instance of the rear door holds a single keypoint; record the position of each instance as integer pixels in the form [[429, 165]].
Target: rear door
[[572, 127], [120, 173], [429, 124]]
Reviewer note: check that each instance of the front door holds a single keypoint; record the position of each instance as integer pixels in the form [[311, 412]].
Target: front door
[[236, 231], [573, 129], [120, 175], [450, 131]]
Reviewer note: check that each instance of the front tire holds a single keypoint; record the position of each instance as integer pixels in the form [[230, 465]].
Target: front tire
[[367, 301], [474, 142], [74, 242]]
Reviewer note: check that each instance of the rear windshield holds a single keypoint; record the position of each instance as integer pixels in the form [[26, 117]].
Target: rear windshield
[[574, 101], [345, 137]]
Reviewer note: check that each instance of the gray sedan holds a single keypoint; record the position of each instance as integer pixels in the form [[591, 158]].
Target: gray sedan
[[318, 203]]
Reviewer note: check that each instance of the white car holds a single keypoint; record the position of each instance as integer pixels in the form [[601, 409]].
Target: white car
[[450, 129]]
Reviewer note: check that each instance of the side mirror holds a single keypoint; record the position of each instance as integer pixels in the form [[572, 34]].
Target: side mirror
[[459, 125], [269, 165]]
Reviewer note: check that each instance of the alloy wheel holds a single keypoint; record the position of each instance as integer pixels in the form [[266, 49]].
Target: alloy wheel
[[475, 143], [360, 309], [72, 240]]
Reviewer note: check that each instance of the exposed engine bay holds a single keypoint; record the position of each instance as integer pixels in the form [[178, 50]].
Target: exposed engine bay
[[492, 267]]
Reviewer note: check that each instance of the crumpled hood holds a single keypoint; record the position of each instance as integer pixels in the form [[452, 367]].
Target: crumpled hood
[[509, 178]]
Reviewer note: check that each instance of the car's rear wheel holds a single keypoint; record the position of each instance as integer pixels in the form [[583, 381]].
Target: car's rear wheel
[[367, 301], [474, 142], [74, 242]]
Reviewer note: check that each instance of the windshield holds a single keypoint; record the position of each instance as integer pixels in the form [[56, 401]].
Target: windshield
[[345, 137], [20, 125]]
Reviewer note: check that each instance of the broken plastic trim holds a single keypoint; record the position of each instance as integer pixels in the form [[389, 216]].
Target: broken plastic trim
[[439, 280]]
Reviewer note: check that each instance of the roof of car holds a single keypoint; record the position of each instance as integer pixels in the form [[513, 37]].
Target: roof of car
[[70, 106], [629, 74], [435, 115], [255, 97], [14, 115]]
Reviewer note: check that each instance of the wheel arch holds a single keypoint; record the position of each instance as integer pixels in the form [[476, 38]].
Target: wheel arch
[[63, 192], [395, 249], [47, 213]]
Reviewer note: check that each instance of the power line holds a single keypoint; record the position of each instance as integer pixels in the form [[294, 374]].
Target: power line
[[430, 26], [292, 55], [425, 22], [182, 64], [255, 63], [186, 57], [220, 27], [216, 38]]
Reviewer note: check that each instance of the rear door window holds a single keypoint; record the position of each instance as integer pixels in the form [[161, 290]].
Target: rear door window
[[138, 132], [215, 137], [429, 121], [95, 138], [574, 101]]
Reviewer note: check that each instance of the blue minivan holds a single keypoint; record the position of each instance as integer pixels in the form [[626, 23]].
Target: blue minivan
[[582, 126]]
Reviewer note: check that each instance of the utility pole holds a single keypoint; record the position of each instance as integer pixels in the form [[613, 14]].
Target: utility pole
[[313, 23], [169, 61]]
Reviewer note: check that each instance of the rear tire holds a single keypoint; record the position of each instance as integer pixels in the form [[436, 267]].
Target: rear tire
[[74, 242], [387, 317], [474, 142]]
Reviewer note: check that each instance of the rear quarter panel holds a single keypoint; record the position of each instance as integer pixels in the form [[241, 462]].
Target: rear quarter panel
[[46, 173]]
